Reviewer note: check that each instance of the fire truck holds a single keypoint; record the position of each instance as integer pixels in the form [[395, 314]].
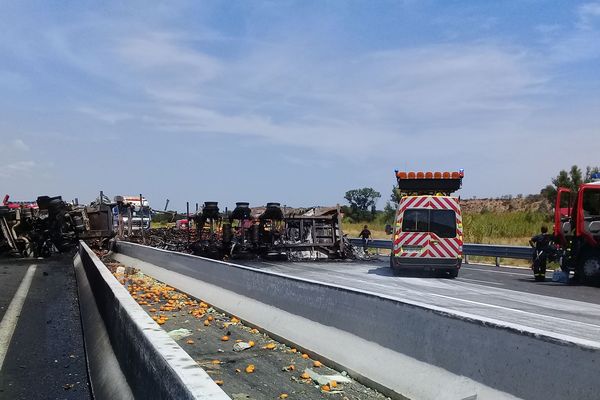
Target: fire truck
[[577, 229], [428, 232]]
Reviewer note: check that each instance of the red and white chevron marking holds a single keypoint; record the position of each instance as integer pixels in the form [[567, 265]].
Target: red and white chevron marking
[[431, 245]]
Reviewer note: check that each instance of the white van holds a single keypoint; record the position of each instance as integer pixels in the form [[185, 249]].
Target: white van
[[428, 232]]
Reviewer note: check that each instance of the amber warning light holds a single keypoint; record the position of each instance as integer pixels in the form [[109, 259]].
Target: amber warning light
[[429, 182], [430, 175]]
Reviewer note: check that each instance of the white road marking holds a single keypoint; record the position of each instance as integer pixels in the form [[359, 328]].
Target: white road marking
[[477, 280], [515, 310], [495, 272], [273, 265], [13, 312], [548, 273], [424, 287]]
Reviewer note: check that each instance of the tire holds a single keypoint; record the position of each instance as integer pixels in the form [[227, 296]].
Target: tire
[[453, 274], [393, 267], [590, 268]]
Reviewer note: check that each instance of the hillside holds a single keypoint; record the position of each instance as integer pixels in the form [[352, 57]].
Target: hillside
[[531, 203]]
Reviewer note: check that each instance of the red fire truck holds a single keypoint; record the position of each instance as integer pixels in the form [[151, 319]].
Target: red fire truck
[[428, 233], [577, 229]]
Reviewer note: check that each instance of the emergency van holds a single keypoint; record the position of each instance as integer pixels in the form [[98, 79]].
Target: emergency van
[[428, 231]]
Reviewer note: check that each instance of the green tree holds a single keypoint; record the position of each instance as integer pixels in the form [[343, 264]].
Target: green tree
[[570, 180], [362, 199], [389, 210], [362, 203], [576, 177]]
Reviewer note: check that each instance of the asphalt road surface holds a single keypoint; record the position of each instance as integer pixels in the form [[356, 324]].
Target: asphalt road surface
[[508, 295], [41, 341]]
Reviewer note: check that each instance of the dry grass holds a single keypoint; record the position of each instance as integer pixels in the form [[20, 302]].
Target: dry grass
[[510, 228]]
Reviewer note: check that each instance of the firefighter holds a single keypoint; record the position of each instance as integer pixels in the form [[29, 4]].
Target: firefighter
[[542, 244], [365, 234]]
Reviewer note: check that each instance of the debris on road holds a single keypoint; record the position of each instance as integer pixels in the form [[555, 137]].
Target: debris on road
[[49, 225], [178, 334], [325, 379], [272, 233], [241, 346], [254, 366]]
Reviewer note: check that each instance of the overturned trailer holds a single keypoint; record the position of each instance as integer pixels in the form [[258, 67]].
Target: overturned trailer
[[37, 229], [49, 225], [312, 235], [269, 233], [211, 238]]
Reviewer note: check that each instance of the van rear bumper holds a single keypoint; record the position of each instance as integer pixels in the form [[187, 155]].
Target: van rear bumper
[[439, 264]]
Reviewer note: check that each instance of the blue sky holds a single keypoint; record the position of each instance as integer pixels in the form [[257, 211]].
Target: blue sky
[[294, 102]]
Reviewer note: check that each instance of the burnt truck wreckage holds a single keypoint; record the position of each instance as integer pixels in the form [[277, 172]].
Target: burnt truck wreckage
[[270, 233], [50, 225]]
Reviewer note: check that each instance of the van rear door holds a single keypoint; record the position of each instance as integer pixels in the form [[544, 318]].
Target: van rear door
[[413, 238], [432, 229], [442, 233]]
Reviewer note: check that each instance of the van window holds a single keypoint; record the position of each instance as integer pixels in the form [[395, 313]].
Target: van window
[[440, 222], [443, 223], [415, 220]]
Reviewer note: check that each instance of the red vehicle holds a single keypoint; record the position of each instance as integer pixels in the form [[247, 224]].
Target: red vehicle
[[577, 230], [13, 205]]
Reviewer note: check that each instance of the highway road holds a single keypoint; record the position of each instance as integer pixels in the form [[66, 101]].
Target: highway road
[[41, 341], [508, 295]]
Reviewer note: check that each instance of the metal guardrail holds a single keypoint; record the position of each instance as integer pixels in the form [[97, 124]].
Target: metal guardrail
[[469, 249]]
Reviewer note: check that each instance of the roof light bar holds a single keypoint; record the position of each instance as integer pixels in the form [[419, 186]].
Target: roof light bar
[[429, 182], [433, 175]]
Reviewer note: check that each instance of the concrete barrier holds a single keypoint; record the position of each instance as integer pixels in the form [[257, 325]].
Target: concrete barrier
[[403, 348], [107, 380], [153, 364]]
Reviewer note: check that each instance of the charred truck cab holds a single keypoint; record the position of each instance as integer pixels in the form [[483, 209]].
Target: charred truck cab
[[428, 232]]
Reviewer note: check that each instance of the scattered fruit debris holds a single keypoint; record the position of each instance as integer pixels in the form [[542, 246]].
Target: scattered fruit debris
[[268, 374]]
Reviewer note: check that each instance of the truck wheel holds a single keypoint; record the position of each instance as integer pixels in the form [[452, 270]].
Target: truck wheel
[[591, 267], [453, 274], [392, 266]]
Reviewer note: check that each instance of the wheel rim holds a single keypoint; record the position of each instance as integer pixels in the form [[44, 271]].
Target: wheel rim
[[591, 267]]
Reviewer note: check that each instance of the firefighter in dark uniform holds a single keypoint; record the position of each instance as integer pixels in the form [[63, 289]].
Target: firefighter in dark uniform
[[542, 244], [365, 235]]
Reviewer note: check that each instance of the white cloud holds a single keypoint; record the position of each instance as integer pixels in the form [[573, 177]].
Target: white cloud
[[17, 169], [589, 13], [581, 41], [481, 101], [13, 148], [109, 117], [19, 144], [286, 92], [349, 106]]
